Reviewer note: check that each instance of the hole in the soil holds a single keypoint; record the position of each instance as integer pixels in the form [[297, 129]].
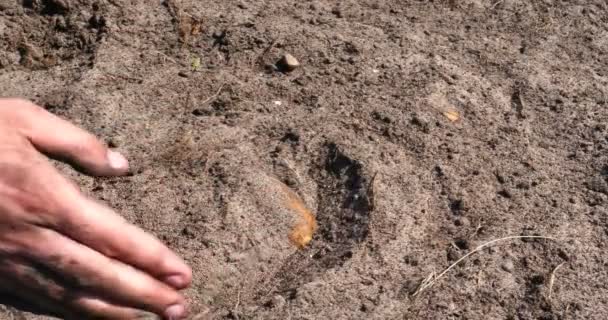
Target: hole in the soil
[[343, 215], [537, 279], [517, 104], [47, 7], [347, 215], [339, 164], [438, 171], [505, 194], [292, 294], [462, 244], [456, 206], [291, 137]]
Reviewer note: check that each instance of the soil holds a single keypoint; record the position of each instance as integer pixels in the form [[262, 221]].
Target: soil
[[414, 130]]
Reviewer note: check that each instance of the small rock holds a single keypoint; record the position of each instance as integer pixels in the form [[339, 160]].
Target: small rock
[[115, 142], [183, 74], [507, 266], [278, 301], [288, 63]]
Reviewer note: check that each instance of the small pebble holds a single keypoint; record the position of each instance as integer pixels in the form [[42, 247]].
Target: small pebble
[[278, 301], [288, 63], [507, 266], [183, 74], [114, 142]]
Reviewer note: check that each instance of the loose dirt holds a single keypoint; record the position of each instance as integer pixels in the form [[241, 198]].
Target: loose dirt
[[414, 130]]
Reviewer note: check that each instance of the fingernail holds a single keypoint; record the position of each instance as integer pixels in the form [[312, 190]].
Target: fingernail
[[175, 312], [175, 281], [117, 160]]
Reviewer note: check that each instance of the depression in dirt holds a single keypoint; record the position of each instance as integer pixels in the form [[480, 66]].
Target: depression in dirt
[[414, 131]]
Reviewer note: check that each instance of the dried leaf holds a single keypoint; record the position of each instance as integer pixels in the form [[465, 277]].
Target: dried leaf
[[303, 231], [196, 63], [452, 115], [195, 30], [187, 27]]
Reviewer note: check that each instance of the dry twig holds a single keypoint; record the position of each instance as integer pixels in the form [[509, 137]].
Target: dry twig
[[214, 95], [431, 279], [552, 279]]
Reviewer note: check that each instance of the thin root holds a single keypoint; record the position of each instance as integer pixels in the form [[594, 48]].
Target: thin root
[[552, 279], [217, 93], [431, 279]]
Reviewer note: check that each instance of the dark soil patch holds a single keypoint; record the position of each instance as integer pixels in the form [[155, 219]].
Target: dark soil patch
[[191, 93]]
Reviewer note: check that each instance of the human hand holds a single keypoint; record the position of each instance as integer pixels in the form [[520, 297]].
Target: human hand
[[66, 253]]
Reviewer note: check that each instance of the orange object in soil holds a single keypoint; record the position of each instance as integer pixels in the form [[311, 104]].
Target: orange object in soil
[[303, 231]]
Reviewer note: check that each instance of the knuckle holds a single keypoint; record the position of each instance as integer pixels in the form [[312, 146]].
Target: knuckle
[[84, 147], [21, 172], [18, 242], [18, 111], [187, 274], [31, 243]]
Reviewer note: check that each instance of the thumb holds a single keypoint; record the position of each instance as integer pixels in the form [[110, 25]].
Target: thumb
[[62, 140]]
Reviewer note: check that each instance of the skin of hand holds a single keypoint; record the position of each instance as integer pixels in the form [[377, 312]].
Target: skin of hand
[[68, 254]]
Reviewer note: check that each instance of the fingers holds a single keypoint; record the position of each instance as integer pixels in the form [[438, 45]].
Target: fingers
[[63, 140], [100, 309], [29, 290], [100, 228], [85, 270], [49, 297], [52, 201], [85, 245]]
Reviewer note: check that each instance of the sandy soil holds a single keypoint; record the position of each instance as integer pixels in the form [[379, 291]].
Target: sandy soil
[[414, 130]]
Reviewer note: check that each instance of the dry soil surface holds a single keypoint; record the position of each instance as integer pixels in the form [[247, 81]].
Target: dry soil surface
[[414, 130]]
